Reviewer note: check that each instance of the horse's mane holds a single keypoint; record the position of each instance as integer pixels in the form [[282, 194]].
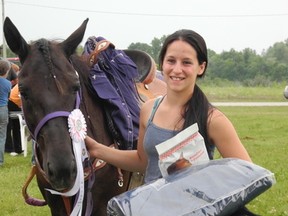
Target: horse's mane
[[79, 64]]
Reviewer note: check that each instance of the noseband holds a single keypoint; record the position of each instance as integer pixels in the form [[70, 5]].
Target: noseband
[[52, 115]]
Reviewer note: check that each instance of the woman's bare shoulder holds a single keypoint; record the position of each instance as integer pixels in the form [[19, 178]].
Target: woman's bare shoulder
[[216, 113], [146, 109], [218, 118]]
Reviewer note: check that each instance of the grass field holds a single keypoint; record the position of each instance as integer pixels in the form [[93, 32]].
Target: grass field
[[263, 131], [239, 93]]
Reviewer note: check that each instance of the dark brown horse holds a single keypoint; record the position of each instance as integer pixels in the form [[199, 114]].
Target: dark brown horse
[[48, 83]]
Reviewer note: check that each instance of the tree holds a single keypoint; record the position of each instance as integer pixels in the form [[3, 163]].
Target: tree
[[246, 67], [153, 50], [141, 46], [9, 53], [278, 52]]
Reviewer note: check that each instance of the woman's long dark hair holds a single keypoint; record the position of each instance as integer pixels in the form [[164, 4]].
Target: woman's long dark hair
[[198, 108]]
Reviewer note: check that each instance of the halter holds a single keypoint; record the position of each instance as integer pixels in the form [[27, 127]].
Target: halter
[[39, 126], [54, 115], [43, 47]]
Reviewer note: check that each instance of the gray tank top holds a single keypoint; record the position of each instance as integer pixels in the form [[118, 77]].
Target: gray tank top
[[154, 135]]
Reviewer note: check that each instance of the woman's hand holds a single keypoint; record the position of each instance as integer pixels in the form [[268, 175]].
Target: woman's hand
[[91, 145]]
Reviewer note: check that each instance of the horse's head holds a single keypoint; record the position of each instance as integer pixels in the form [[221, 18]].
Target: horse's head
[[48, 83]]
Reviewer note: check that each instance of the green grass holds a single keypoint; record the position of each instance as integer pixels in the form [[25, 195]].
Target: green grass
[[263, 131], [12, 177], [240, 93]]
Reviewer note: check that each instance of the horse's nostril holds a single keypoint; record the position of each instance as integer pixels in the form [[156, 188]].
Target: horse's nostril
[[61, 175], [50, 172]]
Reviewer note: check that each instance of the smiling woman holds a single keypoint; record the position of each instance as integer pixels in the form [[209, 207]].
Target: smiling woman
[[183, 59]]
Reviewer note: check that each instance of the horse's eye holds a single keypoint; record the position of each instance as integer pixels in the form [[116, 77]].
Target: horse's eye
[[76, 88], [23, 92], [23, 95]]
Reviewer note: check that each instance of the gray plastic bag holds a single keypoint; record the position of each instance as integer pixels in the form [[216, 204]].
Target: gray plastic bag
[[218, 187]]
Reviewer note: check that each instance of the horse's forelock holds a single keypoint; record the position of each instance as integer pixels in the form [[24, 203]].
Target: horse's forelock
[[43, 46]]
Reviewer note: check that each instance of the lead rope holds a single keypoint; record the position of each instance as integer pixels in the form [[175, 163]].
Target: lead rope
[[30, 200]]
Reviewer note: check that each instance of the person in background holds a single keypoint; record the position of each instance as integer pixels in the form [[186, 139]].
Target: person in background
[[183, 58], [5, 88], [13, 143], [12, 76], [13, 137]]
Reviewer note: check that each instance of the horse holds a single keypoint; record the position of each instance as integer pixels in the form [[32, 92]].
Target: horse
[[52, 79]]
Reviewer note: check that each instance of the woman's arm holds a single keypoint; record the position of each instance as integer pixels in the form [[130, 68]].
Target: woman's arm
[[225, 137]]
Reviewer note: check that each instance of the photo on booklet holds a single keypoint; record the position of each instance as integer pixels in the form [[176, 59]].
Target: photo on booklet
[[181, 151]]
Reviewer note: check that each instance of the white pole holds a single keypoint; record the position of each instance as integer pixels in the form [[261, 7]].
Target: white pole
[[4, 43]]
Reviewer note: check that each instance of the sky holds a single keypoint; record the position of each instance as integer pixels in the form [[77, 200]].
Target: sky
[[224, 24]]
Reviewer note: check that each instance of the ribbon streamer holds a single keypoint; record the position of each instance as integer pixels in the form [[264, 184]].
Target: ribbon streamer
[[77, 128]]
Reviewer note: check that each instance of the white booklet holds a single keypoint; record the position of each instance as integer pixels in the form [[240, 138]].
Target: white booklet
[[183, 150]]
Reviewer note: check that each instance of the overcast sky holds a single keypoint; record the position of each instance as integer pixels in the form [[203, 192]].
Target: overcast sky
[[225, 24]]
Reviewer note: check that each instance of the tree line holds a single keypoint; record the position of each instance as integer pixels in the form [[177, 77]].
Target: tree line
[[246, 66]]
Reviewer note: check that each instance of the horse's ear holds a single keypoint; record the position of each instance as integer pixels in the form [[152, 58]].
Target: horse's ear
[[15, 41], [70, 44]]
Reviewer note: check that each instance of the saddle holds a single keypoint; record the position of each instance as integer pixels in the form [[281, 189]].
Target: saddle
[[149, 82]]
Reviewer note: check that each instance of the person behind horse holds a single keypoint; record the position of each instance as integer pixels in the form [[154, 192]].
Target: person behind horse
[[13, 140], [183, 58], [12, 75], [5, 88]]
